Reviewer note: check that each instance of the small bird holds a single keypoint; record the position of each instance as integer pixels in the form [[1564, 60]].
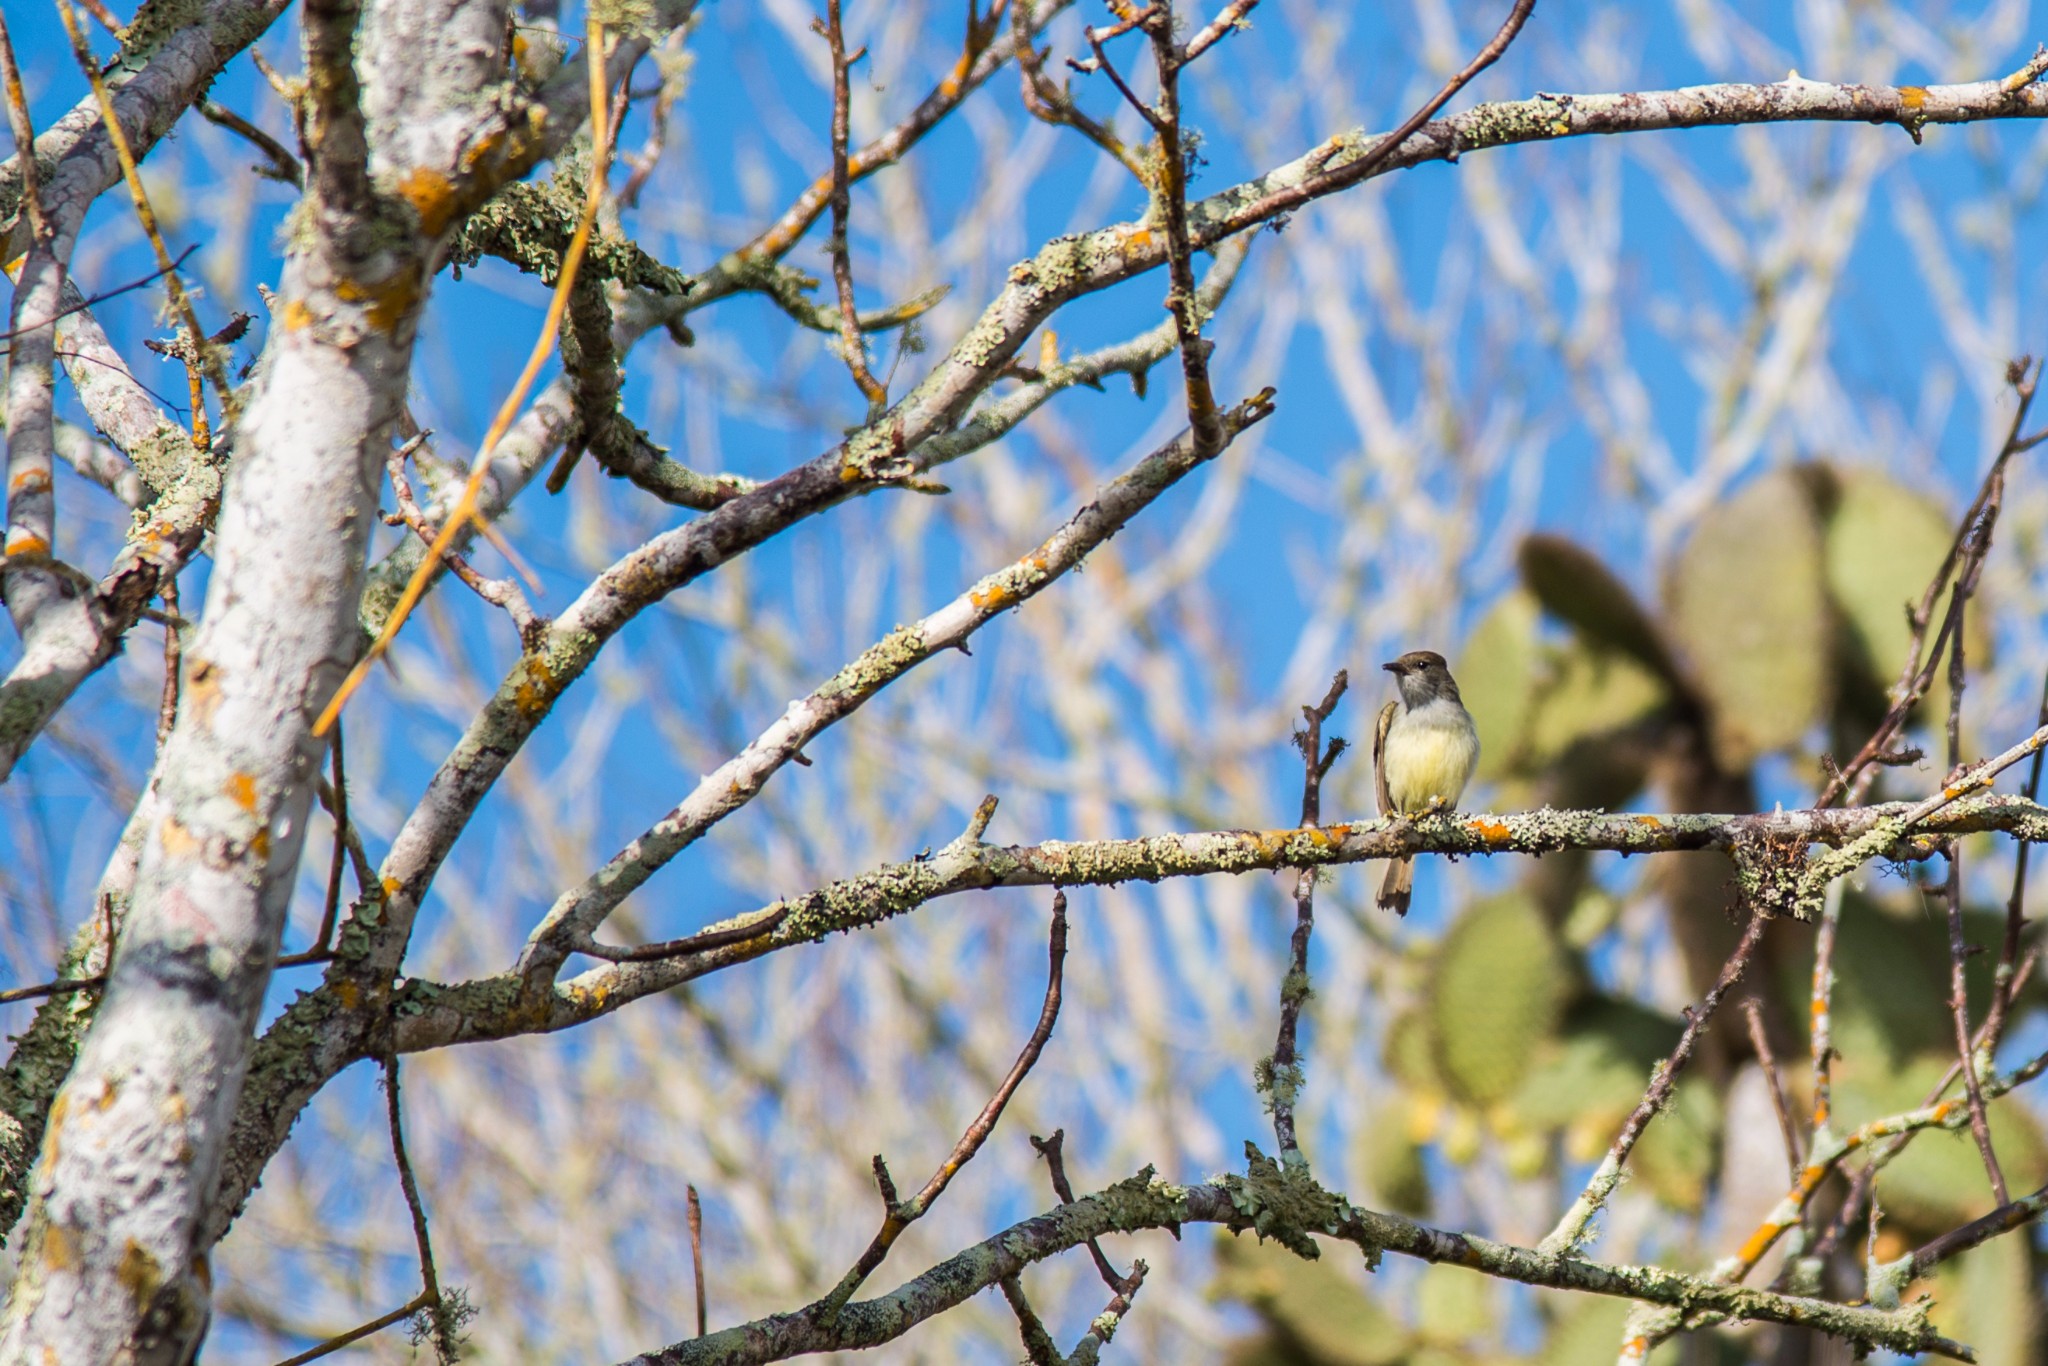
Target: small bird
[[1423, 754]]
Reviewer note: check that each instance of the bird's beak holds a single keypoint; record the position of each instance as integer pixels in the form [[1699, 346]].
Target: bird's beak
[[1393, 666]]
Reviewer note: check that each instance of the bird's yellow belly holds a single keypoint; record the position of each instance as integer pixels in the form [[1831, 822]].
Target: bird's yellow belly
[[1428, 766]]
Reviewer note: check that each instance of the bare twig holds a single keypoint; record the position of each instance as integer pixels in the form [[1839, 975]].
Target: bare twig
[[1571, 1229], [901, 1214], [203, 360], [1104, 1325], [1821, 1005], [1760, 1039], [851, 342], [1039, 1348], [59, 987], [1172, 192], [2008, 1216], [1915, 675], [1976, 547], [445, 1314], [1281, 1077], [1053, 1150], [503, 594], [1280, 201], [1231, 17], [283, 165], [1054, 104], [2004, 978], [331, 909], [696, 1213], [358, 1333], [167, 708]]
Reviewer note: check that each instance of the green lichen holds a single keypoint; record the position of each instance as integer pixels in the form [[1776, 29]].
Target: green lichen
[[1279, 1085], [881, 662], [529, 224], [1283, 1203], [155, 21]]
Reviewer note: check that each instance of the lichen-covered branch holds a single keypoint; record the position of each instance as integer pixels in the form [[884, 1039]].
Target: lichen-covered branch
[[1288, 1209], [576, 915], [498, 1007]]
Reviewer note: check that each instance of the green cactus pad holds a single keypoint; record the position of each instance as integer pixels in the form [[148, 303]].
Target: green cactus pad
[[1497, 990], [1577, 588], [1749, 609]]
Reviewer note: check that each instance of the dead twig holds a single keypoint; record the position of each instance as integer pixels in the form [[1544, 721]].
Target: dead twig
[[1281, 1076], [900, 1214], [1571, 1229], [852, 343]]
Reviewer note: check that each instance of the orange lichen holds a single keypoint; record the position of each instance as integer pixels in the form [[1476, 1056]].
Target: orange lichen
[[432, 196], [957, 77], [535, 692], [1913, 96], [138, 1273], [58, 1252], [386, 302], [1650, 821], [177, 841], [1493, 832], [26, 545], [992, 598], [30, 481], [201, 689], [241, 790]]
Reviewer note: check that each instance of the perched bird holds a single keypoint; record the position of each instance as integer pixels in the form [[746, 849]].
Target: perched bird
[[1423, 753]]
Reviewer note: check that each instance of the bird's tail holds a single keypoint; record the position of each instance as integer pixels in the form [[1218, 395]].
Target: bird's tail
[[1399, 884]]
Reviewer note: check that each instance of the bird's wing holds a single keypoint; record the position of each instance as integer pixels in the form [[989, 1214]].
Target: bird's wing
[[1379, 756]]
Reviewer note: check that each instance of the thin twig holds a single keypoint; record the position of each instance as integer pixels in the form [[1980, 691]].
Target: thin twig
[[57, 988], [1760, 1040], [358, 1333], [444, 1325], [167, 708], [1203, 418], [1039, 1348], [1281, 1079], [1353, 172], [2003, 977], [1231, 17], [21, 126], [503, 594], [1821, 1005], [331, 910], [283, 165], [202, 359], [850, 339], [83, 304], [2010, 1214], [1050, 103], [1053, 1151], [1915, 676], [1571, 1229], [901, 1214], [696, 1212], [1104, 1325]]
